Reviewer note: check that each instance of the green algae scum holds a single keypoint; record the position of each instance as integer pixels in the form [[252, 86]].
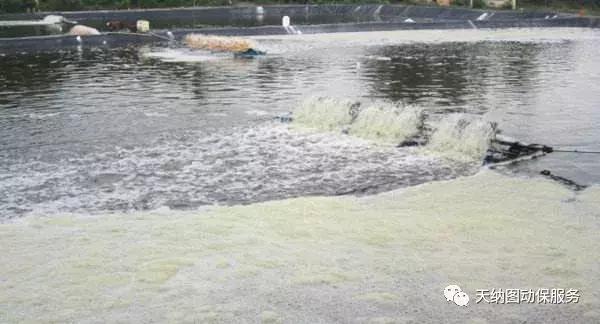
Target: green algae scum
[[337, 178], [383, 258]]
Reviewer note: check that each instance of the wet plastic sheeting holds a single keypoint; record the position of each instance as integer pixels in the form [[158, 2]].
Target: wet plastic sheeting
[[371, 12], [381, 18], [48, 43]]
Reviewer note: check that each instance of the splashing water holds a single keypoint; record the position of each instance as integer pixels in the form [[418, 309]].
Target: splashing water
[[461, 137], [324, 114], [381, 122], [388, 122], [458, 137]]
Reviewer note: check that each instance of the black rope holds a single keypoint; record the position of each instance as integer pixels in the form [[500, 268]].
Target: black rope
[[540, 147], [576, 151]]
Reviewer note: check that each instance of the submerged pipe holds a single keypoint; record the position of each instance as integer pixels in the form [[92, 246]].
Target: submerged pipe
[[567, 182]]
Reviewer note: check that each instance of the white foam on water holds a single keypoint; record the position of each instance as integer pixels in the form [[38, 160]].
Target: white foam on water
[[355, 39], [196, 168], [256, 112], [378, 58], [312, 259], [387, 122], [155, 114], [183, 55], [42, 115]]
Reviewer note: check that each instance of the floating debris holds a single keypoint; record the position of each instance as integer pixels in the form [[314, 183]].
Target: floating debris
[[81, 30], [218, 43]]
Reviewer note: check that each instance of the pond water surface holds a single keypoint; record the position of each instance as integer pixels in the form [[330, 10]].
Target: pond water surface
[[148, 127]]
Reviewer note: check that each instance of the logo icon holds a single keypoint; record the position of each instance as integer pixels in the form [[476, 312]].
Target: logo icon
[[455, 294]]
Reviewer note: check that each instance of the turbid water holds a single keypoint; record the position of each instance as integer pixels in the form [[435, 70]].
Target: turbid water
[[145, 128], [114, 162]]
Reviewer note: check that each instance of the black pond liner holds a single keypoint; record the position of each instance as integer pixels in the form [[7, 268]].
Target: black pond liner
[[371, 18]]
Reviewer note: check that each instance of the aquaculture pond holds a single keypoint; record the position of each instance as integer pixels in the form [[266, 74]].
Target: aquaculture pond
[[142, 128], [158, 183]]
